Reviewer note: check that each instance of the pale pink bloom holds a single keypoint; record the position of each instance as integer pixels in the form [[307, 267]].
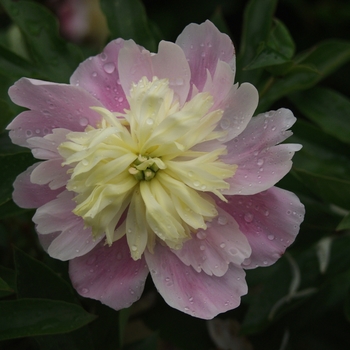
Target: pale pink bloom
[[152, 163]]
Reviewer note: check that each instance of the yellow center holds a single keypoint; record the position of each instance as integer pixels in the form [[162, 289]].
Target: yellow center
[[153, 163]]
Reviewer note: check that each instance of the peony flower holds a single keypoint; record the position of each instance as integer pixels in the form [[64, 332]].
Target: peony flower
[[152, 163]]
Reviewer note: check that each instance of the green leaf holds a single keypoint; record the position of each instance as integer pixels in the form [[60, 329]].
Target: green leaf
[[309, 69], [36, 280], [345, 223], [11, 166], [8, 148], [277, 50], [326, 108], [9, 209], [13, 65], [330, 189], [281, 40], [55, 58], [299, 77], [31, 317], [6, 114], [4, 286], [127, 19], [268, 293], [327, 56], [256, 27]]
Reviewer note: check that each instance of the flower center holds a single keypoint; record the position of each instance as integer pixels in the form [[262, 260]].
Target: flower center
[[156, 164]]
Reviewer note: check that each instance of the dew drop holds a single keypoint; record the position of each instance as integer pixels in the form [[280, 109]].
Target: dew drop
[[203, 54], [203, 187], [179, 81], [37, 131], [201, 235], [109, 67], [260, 162], [196, 183], [84, 162], [233, 251], [222, 220], [94, 74], [83, 121], [190, 300], [149, 121], [222, 245], [134, 248], [202, 247], [103, 56], [29, 133], [120, 99], [84, 291], [248, 217], [271, 237]]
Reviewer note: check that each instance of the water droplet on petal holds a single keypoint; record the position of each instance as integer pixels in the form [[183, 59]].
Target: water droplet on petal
[[222, 245], [271, 237], [84, 291], [84, 162], [134, 248], [94, 74], [201, 235], [109, 67], [149, 121], [103, 56], [222, 220], [196, 183], [202, 247], [260, 162], [83, 121], [248, 217], [29, 133]]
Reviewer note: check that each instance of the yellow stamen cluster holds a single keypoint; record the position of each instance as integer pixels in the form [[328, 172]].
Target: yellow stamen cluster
[[151, 164]]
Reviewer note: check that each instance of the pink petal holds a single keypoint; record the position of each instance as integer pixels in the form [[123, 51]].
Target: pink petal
[[29, 195], [50, 172], [170, 62], [239, 106], [74, 239], [56, 215], [52, 105], [46, 147], [134, 63], [220, 84], [270, 220], [261, 164], [109, 274], [99, 75], [204, 45], [213, 249], [194, 293]]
